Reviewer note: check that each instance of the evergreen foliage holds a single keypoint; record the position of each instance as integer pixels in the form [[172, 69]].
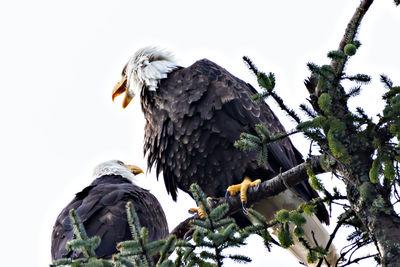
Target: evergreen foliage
[[258, 143], [354, 141], [349, 50], [212, 236], [139, 250], [283, 221], [364, 153], [215, 234], [81, 243]]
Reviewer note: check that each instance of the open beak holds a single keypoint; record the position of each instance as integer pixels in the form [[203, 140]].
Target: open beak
[[134, 169], [120, 88]]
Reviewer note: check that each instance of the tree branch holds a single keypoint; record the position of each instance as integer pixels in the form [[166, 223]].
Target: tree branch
[[351, 31], [267, 188], [339, 224]]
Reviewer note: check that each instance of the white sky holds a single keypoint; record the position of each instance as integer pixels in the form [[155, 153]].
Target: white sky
[[59, 61]]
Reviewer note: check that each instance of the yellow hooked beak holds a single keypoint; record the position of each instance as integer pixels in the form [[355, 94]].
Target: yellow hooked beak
[[120, 88], [134, 169]]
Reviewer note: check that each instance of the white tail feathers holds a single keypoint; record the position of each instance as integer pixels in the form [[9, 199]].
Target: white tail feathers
[[322, 237], [290, 201]]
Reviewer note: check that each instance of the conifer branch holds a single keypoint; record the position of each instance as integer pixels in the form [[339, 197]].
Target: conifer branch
[[342, 218], [138, 235], [215, 232], [266, 189], [351, 32], [82, 242], [267, 82], [80, 234]]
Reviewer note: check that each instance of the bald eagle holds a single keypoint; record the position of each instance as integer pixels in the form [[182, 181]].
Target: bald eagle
[[101, 207], [193, 117]]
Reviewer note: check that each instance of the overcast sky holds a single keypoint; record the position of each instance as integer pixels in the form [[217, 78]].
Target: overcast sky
[[59, 61]]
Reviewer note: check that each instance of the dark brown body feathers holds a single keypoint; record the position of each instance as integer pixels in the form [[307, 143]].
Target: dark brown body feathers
[[192, 122], [101, 206]]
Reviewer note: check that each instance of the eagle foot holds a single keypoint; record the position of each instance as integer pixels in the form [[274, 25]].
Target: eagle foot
[[242, 188], [210, 201]]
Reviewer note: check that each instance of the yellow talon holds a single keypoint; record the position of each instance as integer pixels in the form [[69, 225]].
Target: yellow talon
[[242, 188], [234, 189], [200, 211]]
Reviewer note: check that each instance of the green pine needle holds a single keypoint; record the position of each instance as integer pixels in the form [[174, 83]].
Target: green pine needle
[[312, 257], [282, 216], [155, 246], [297, 218], [62, 262], [284, 237], [337, 55], [355, 91], [325, 103], [145, 235], [309, 209], [350, 49], [87, 245], [375, 171], [310, 112], [201, 224], [314, 181], [360, 78], [223, 222], [219, 212], [133, 220], [125, 262], [263, 133], [315, 123], [266, 81], [239, 258], [298, 232], [389, 170], [386, 81], [256, 217]]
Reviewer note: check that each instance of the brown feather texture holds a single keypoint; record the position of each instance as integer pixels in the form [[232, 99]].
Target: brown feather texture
[[193, 119], [192, 122], [101, 207]]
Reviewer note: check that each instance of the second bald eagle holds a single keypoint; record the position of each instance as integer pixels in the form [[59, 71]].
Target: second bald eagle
[[193, 117], [101, 206]]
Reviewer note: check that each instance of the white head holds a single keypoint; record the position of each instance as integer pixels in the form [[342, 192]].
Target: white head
[[143, 72], [116, 167]]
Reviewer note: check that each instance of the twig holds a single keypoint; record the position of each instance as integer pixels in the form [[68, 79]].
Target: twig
[[351, 31], [359, 259], [346, 215]]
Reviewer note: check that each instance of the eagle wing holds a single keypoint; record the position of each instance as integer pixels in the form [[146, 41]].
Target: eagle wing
[[194, 119], [103, 213]]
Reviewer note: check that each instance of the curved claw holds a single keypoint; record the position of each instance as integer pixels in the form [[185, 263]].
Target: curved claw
[[244, 207], [242, 189], [227, 195], [198, 211], [192, 211], [211, 202], [257, 187]]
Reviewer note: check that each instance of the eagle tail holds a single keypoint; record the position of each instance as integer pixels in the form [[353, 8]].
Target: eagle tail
[[313, 230]]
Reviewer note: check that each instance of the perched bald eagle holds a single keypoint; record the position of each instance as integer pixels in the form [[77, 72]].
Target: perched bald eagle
[[101, 206], [193, 117]]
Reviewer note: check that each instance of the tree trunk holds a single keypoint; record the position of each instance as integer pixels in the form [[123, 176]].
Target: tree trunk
[[374, 209]]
